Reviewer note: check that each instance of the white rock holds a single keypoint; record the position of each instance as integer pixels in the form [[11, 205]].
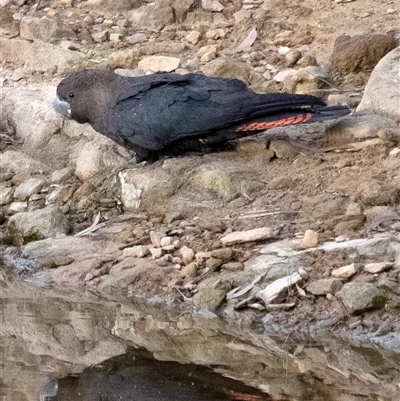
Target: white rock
[[273, 290], [281, 75], [212, 5], [138, 251], [17, 207], [166, 241], [344, 271], [310, 238], [159, 63], [187, 254], [193, 37], [378, 267], [256, 234]]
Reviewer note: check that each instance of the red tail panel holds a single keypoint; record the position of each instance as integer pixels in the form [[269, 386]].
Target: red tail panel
[[264, 125]]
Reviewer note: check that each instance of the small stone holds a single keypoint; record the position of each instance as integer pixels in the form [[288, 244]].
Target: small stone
[[345, 271], [273, 290], [256, 234], [215, 34], [212, 5], [136, 38], [359, 297], [187, 254], [115, 37], [202, 256], [193, 37], [138, 251], [63, 260], [155, 238], [232, 266], [394, 152], [189, 270], [310, 239], [214, 226], [156, 253], [223, 253], [213, 263], [324, 286], [6, 195], [283, 50], [159, 63], [28, 187], [166, 241], [100, 37], [378, 267], [62, 175], [169, 248], [17, 207], [292, 57]]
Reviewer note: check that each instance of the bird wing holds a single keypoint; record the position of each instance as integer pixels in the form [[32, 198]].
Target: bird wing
[[154, 111]]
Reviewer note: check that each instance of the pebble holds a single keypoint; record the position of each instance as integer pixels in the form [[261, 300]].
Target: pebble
[[310, 239], [187, 254], [232, 266], [189, 270], [138, 251], [223, 253], [214, 263], [155, 238], [345, 271], [193, 37], [378, 267], [256, 234], [166, 241]]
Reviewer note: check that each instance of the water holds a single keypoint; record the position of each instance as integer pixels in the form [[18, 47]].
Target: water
[[81, 347]]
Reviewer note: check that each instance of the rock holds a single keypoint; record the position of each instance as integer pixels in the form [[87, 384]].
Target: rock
[[187, 254], [345, 271], [45, 29], [62, 175], [226, 67], [156, 253], [138, 251], [17, 207], [201, 256], [214, 226], [151, 17], [111, 5], [20, 162], [380, 267], [166, 241], [324, 286], [27, 188], [211, 293], [273, 290], [257, 234], [189, 270], [212, 5], [223, 253], [310, 239], [361, 52], [292, 57], [360, 297], [283, 149], [44, 223], [155, 238], [213, 263], [35, 55], [159, 63], [6, 195], [306, 80], [100, 36], [136, 38], [233, 266], [181, 8], [193, 37], [381, 95]]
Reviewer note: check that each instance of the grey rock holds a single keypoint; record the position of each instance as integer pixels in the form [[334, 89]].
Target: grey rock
[[212, 5], [46, 29], [153, 17], [6, 195], [324, 286], [44, 223], [360, 297], [256, 234], [27, 188], [62, 175], [273, 290], [211, 294], [382, 95]]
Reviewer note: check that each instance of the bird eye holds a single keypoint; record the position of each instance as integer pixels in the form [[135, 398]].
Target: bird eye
[[71, 95]]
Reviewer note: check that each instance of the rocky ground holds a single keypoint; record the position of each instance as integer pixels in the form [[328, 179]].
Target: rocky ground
[[299, 227]]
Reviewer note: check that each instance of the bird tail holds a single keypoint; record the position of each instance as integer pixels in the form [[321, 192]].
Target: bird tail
[[294, 117]]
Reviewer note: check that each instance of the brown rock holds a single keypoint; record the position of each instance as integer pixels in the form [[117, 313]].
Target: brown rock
[[361, 52]]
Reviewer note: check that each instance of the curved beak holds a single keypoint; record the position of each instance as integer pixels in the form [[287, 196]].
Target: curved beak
[[62, 107]]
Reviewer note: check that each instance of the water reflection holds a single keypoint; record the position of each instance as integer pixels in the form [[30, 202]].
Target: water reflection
[[55, 346], [137, 376]]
